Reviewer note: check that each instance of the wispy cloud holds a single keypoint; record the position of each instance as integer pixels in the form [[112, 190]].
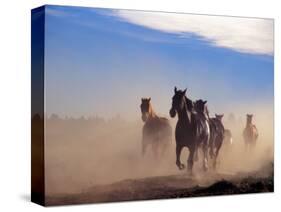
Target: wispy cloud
[[247, 35]]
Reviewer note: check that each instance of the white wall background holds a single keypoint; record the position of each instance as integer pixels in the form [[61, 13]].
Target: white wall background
[[15, 104]]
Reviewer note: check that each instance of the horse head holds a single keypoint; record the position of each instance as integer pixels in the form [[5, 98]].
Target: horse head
[[178, 102], [145, 108], [249, 118], [200, 106], [219, 117]]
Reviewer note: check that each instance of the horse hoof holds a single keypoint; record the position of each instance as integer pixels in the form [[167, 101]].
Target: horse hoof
[[181, 167], [205, 168]]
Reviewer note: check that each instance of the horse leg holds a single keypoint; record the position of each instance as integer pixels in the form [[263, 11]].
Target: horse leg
[[144, 146], [247, 145], [196, 154], [191, 159], [253, 143], [157, 150], [212, 146], [205, 159], [218, 147], [178, 153], [165, 146]]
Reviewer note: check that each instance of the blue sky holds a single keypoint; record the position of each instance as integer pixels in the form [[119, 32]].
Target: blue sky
[[101, 61]]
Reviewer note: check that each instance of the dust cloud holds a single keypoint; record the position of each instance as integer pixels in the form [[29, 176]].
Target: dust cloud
[[83, 152]]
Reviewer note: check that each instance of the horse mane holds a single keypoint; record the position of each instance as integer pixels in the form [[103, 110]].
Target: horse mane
[[152, 112], [189, 104]]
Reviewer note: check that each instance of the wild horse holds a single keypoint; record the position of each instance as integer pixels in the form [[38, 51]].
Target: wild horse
[[192, 129], [157, 131], [217, 137], [250, 133]]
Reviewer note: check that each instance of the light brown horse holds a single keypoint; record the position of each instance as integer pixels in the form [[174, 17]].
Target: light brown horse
[[156, 132], [250, 133]]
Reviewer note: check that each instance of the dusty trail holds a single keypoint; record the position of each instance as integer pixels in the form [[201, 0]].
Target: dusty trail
[[96, 160], [173, 186]]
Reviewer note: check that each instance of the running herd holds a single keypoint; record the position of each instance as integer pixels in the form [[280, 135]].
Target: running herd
[[195, 129]]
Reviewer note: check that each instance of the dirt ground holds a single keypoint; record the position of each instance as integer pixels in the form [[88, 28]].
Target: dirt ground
[[174, 186]]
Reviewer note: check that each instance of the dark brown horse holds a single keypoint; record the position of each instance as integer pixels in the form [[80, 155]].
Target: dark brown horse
[[156, 132], [250, 133], [192, 129], [217, 137]]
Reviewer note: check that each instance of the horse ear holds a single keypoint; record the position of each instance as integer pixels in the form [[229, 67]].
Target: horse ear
[[175, 89], [149, 99], [204, 102], [184, 91]]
